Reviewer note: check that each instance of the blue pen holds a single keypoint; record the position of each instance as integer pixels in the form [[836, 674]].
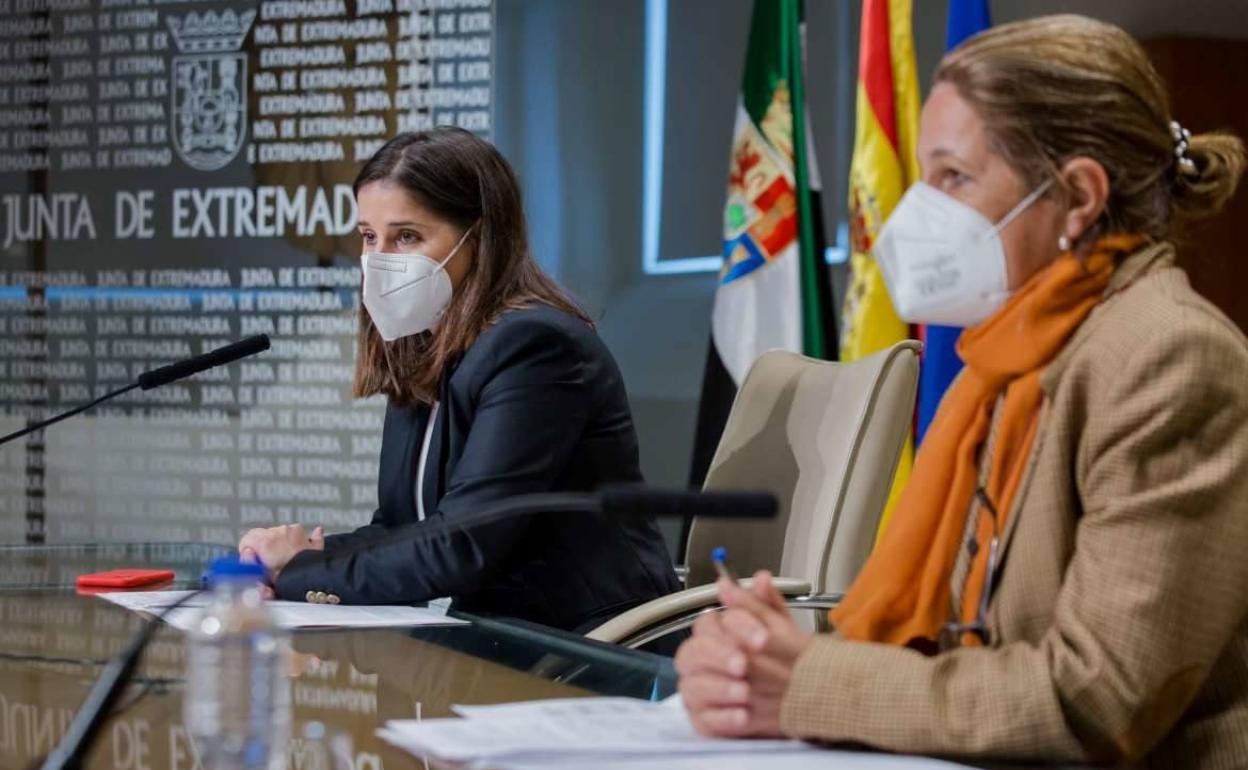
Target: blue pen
[[719, 557]]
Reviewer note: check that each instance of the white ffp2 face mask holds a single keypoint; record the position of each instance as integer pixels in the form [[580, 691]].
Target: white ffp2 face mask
[[405, 294], [943, 261]]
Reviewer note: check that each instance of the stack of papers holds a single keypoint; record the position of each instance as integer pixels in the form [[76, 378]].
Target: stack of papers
[[287, 615], [611, 734]]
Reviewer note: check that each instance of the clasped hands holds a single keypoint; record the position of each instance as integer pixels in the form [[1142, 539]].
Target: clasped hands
[[274, 547], [735, 668]]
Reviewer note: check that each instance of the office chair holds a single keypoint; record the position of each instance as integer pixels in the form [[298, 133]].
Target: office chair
[[824, 438]]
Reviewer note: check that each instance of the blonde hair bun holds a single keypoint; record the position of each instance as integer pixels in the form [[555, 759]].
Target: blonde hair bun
[[1204, 187]]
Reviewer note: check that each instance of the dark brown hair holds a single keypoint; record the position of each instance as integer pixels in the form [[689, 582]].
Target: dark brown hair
[[464, 180], [1058, 87]]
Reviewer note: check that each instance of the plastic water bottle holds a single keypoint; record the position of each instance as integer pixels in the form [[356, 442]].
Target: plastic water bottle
[[237, 703]]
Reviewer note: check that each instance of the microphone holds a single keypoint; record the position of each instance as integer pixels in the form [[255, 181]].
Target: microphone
[[97, 707], [162, 376], [622, 501], [634, 500], [219, 357]]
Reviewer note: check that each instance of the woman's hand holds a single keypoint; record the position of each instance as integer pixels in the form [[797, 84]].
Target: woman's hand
[[274, 547], [735, 669]]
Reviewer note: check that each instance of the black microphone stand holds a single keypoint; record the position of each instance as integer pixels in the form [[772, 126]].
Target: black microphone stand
[[66, 415], [97, 707], [162, 376]]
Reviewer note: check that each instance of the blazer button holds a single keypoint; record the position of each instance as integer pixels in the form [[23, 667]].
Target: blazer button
[[310, 597], [333, 599]]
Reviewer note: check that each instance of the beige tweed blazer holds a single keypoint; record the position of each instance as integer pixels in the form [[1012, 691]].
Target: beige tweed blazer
[[1120, 616]]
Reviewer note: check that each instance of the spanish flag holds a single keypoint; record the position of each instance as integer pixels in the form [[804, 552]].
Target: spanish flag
[[883, 166]]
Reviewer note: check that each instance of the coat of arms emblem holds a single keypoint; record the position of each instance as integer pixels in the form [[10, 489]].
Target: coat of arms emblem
[[209, 86], [760, 218]]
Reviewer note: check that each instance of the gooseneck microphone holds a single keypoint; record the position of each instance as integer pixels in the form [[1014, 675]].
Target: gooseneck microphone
[[97, 707], [634, 500], [614, 501], [162, 376], [214, 358]]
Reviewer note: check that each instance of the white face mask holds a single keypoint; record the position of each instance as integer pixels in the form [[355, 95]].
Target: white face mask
[[406, 293], [943, 261]]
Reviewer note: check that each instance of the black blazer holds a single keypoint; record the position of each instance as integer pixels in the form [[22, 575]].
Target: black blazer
[[536, 404]]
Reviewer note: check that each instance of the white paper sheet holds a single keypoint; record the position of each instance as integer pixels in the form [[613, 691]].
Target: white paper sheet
[[152, 601], [816, 759], [613, 734], [287, 615], [571, 708], [583, 728]]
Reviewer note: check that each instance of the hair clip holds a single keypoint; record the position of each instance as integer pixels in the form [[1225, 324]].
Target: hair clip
[[1182, 139]]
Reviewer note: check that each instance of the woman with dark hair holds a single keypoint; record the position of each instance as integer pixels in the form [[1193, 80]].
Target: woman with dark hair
[[497, 386]]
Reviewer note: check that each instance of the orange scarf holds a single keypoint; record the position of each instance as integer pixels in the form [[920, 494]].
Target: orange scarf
[[903, 591]]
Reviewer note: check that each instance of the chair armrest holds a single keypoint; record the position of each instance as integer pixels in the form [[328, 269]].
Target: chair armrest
[[820, 603], [814, 601], [656, 615]]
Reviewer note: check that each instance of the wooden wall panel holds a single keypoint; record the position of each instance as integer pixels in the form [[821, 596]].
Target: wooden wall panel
[[1208, 80]]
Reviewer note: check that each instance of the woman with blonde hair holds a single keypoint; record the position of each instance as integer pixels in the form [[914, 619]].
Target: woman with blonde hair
[[1066, 575]]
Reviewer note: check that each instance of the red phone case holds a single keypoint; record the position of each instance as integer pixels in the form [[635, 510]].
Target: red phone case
[[124, 578]]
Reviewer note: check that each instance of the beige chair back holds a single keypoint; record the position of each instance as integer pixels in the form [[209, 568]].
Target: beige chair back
[[824, 438]]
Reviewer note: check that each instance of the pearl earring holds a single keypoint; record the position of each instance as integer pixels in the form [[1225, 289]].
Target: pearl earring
[[1063, 244]]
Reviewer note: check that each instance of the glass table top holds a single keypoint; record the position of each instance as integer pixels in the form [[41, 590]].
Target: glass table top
[[345, 683]]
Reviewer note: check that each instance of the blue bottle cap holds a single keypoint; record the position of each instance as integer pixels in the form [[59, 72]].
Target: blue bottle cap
[[719, 554], [231, 567]]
